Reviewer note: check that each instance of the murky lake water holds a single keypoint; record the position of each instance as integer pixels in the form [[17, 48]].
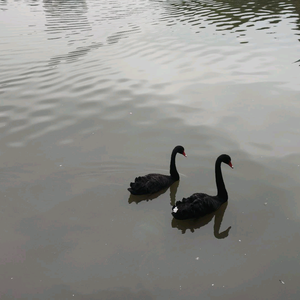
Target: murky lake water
[[95, 93]]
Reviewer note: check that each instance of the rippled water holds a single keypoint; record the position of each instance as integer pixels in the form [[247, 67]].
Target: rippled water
[[95, 93]]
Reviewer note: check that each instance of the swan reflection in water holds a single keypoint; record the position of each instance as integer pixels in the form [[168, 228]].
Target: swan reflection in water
[[193, 224], [138, 198]]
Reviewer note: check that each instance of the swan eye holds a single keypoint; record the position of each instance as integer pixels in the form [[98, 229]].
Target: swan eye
[[175, 209]]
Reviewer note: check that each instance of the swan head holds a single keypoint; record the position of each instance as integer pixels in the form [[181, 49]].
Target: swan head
[[180, 149], [225, 158]]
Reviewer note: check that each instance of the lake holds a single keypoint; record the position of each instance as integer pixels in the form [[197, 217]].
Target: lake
[[96, 93]]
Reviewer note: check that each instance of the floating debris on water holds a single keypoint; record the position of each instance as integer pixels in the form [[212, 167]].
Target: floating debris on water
[[281, 281]]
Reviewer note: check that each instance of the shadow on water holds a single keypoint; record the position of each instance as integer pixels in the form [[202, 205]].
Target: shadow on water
[[138, 198], [193, 224]]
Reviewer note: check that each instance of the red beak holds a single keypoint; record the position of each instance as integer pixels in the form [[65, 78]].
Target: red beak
[[230, 164], [184, 154]]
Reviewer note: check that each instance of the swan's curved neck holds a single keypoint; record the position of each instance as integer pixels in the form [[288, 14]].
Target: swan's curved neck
[[173, 170], [222, 193]]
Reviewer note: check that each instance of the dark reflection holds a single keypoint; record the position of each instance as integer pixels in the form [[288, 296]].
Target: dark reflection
[[117, 36], [34, 2], [138, 198], [68, 16], [232, 15], [68, 20], [73, 55], [3, 3], [193, 224], [173, 192], [296, 4]]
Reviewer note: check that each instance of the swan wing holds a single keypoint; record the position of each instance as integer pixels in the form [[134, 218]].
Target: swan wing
[[149, 184], [195, 206]]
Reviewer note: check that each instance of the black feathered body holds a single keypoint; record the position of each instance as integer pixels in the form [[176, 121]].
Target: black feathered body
[[199, 204], [150, 184], [153, 183], [196, 206]]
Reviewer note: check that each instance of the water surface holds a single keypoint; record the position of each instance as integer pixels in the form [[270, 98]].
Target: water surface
[[94, 94]]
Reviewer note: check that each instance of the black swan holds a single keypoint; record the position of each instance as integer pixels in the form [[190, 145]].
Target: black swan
[[153, 183], [199, 204]]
